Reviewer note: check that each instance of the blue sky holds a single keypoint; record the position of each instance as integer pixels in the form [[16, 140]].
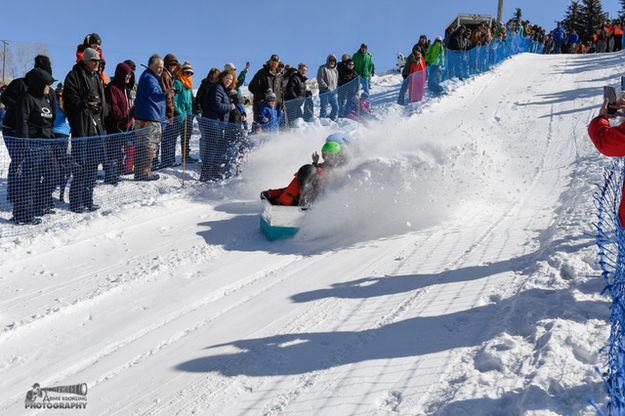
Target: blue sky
[[207, 34]]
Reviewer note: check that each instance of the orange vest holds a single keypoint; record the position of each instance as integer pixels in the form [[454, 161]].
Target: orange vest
[[290, 194], [618, 30]]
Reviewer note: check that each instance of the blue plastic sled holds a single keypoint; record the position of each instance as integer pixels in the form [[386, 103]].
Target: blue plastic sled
[[279, 222]]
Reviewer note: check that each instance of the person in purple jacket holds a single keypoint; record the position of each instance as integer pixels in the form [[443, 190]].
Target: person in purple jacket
[[119, 120], [149, 115]]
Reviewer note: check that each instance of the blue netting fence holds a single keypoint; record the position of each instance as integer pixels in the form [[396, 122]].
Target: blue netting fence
[[611, 244], [356, 101], [50, 182]]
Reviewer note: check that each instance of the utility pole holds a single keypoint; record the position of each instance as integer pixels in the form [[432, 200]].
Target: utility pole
[[4, 57], [499, 8]]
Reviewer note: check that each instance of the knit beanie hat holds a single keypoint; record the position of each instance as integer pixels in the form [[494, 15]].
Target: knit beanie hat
[[186, 67], [90, 54], [270, 95], [43, 62], [170, 59]]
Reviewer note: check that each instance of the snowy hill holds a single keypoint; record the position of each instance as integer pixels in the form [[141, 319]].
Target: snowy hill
[[445, 274]]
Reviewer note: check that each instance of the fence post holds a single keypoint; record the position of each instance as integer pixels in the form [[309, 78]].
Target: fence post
[[358, 96], [184, 148]]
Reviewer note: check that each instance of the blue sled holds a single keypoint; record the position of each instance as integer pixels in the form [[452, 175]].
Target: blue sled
[[279, 222]]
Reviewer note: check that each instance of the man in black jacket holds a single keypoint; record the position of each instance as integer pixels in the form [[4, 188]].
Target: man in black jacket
[[347, 88], [295, 92], [423, 45], [10, 98], [38, 173], [84, 100], [267, 77]]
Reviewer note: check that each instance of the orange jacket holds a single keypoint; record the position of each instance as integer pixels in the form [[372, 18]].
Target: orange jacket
[[290, 194]]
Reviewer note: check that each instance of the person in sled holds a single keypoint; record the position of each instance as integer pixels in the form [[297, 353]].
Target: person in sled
[[309, 179]]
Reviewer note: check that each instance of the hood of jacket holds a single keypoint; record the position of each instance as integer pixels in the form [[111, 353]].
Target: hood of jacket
[[37, 80], [120, 75], [331, 56]]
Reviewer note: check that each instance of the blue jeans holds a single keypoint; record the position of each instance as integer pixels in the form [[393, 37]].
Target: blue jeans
[[365, 84], [434, 79], [557, 46], [402, 91], [328, 98]]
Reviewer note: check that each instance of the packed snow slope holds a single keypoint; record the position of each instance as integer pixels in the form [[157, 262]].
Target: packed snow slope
[[445, 272]]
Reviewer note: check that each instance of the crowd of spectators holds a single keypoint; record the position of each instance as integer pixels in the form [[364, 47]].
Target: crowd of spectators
[[132, 126]]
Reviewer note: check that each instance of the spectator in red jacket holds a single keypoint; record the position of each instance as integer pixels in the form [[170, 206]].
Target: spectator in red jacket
[[610, 141], [118, 120]]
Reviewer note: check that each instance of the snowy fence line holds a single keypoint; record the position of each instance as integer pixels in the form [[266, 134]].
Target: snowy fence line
[[353, 100], [611, 244]]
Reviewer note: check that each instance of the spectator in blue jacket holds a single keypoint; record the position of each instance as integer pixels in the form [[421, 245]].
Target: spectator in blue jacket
[[269, 117], [573, 41], [558, 37], [149, 115]]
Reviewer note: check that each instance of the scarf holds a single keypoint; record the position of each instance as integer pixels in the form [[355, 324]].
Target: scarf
[[185, 79]]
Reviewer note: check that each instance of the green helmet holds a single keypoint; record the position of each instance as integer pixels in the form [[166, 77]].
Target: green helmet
[[332, 148]]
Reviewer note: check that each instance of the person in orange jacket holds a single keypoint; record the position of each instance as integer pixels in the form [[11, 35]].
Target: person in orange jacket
[[617, 29], [93, 41], [610, 141], [309, 179]]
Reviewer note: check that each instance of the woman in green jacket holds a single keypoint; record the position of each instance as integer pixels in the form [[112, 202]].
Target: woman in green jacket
[[435, 59]]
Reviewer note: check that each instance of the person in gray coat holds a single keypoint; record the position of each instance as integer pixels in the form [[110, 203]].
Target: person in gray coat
[[327, 79]]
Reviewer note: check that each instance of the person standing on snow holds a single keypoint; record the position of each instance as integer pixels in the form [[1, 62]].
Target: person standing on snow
[[268, 77], [85, 105], [327, 79], [150, 111], [435, 58], [171, 128], [93, 41], [39, 171], [414, 63], [363, 65], [10, 98], [347, 88], [609, 141], [118, 121], [558, 38]]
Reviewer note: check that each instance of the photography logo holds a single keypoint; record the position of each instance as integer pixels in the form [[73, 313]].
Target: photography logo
[[58, 397]]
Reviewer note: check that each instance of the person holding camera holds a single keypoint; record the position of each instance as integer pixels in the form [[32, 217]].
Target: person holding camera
[[609, 140], [84, 101]]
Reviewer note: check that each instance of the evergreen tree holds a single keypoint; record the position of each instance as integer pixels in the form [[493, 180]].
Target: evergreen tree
[[518, 14], [574, 18], [621, 12], [593, 16]]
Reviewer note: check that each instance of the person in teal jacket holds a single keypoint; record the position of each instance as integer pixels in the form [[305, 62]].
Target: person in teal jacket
[[183, 104], [363, 65], [435, 59]]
